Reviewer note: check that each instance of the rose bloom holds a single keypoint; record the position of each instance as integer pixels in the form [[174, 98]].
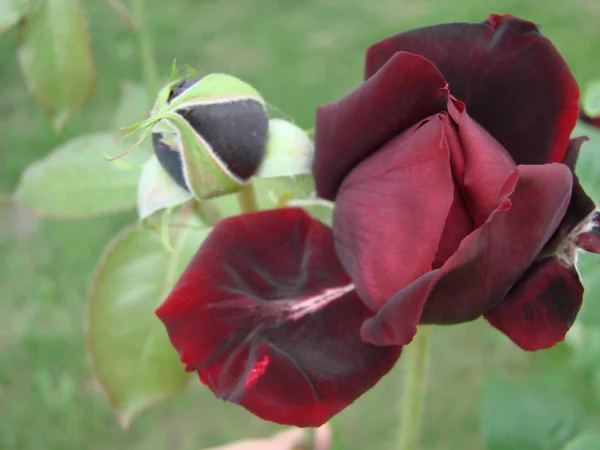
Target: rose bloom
[[451, 169]]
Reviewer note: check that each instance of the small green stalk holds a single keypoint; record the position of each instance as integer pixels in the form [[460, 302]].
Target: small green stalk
[[149, 69], [247, 199], [415, 381]]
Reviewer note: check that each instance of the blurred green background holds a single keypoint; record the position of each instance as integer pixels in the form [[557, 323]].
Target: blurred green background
[[299, 55]]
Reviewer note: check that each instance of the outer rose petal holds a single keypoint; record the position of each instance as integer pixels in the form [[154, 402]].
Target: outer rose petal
[[407, 89], [572, 153], [512, 79], [542, 306], [266, 315], [391, 211], [488, 262]]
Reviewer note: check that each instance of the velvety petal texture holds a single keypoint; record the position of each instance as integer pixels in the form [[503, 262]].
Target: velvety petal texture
[[391, 210], [514, 82], [407, 89], [481, 166], [269, 319], [479, 275], [539, 310]]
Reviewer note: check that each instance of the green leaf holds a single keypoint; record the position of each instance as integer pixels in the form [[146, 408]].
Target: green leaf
[[156, 190], [587, 264], [12, 11], [521, 415], [591, 99], [56, 57], [134, 105], [586, 441], [130, 351], [75, 181], [289, 151]]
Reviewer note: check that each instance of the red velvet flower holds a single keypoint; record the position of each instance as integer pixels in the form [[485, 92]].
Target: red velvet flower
[[451, 170]]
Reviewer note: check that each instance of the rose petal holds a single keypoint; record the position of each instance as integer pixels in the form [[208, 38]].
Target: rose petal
[[513, 80], [408, 89], [572, 153], [542, 306], [484, 164], [488, 262], [391, 211], [587, 234], [457, 225], [268, 318]]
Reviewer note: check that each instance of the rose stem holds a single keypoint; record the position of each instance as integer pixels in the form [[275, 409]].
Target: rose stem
[[247, 199], [415, 380], [149, 69]]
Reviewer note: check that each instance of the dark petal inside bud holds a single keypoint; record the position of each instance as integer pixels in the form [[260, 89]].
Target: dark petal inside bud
[[181, 86], [170, 160], [236, 131]]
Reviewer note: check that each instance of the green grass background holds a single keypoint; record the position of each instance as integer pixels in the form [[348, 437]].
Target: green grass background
[[299, 54]]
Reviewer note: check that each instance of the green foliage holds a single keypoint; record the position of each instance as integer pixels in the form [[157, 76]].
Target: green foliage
[[75, 181], [129, 348], [585, 441], [520, 415], [56, 57], [12, 11], [134, 105]]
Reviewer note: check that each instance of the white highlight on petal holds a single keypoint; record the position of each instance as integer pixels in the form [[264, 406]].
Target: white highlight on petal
[[295, 310]]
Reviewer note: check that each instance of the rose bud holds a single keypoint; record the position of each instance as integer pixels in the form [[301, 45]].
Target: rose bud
[[211, 135]]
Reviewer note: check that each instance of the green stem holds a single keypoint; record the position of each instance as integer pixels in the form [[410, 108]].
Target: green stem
[[247, 199], [415, 380], [149, 69], [309, 441]]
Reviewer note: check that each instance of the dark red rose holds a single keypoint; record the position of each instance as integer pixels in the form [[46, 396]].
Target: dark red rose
[[452, 174]]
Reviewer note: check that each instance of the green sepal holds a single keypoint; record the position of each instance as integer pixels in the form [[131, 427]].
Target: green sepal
[[289, 151], [157, 191], [214, 88], [206, 177], [162, 98]]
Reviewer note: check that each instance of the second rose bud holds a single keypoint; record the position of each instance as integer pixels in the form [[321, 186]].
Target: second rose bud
[[213, 134]]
